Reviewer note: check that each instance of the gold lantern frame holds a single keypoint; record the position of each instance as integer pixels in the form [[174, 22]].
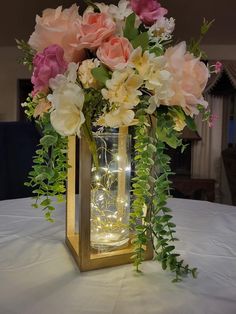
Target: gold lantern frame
[[79, 243]]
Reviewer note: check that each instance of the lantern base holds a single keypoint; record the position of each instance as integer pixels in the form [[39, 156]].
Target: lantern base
[[106, 242], [97, 260]]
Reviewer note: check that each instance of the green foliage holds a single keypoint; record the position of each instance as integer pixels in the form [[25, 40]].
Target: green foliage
[[206, 114], [29, 106], [49, 172], [190, 123], [101, 74], [141, 40], [130, 31], [206, 26], [165, 129], [28, 53], [151, 218], [157, 50], [194, 45]]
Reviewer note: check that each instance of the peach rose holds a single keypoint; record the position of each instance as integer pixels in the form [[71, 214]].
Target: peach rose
[[94, 29], [115, 52], [57, 26], [42, 107], [190, 77]]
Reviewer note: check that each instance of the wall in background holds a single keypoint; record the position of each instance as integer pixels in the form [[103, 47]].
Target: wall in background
[[220, 52], [11, 71]]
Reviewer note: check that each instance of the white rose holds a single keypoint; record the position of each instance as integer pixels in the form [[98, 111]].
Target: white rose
[[67, 116]]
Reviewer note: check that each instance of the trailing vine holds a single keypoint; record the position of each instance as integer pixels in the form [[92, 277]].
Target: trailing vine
[[49, 172], [151, 216]]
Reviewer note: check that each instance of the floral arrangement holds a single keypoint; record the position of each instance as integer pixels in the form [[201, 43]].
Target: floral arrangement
[[110, 67]]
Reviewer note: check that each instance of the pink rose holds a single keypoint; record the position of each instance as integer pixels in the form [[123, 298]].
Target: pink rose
[[47, 65], [149, 11], [57, 26], [190, 77], [94, 29], [115, 52]]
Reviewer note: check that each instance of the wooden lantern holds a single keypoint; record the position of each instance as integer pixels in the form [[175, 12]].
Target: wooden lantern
[[78, 214]]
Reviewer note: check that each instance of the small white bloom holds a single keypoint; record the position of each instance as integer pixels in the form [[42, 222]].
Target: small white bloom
[[119, 14], [121, 11], [162, 29], [85, 74], [102, 7], [72, 72]]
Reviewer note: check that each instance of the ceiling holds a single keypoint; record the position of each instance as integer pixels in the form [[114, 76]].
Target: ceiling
[[188, 14]]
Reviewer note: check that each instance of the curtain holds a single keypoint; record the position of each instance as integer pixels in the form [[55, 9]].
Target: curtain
[[229, 100], [206, 153]]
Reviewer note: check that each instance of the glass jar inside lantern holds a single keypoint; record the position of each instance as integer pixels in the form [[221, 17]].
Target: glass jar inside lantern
[[110, 192]]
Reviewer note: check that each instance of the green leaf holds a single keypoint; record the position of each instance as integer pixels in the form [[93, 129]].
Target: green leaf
[[130, 32], [101, 74], [141, 40], [169, 248], [48, 140], [190, 123], [45, 202], [41, 177], [157, 50], [194, 272], [164, 264]]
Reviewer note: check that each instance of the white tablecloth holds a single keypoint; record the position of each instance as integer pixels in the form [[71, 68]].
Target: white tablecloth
[[38, 275]]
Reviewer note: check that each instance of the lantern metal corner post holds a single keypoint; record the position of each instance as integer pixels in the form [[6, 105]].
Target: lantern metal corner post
[[81, 239]]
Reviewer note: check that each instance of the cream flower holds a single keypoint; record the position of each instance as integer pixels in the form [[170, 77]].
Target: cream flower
[[156, 78], [140, 61], [61, 80], [179, 124], [85, 74], [67, 102], [123, 94], [118, 117], [122, 89]]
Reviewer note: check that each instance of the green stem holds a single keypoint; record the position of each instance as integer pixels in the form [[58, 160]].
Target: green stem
[[91, 142]]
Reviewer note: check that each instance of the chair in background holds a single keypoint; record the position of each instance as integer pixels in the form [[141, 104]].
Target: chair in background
[[229, 159], [18, 141]]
